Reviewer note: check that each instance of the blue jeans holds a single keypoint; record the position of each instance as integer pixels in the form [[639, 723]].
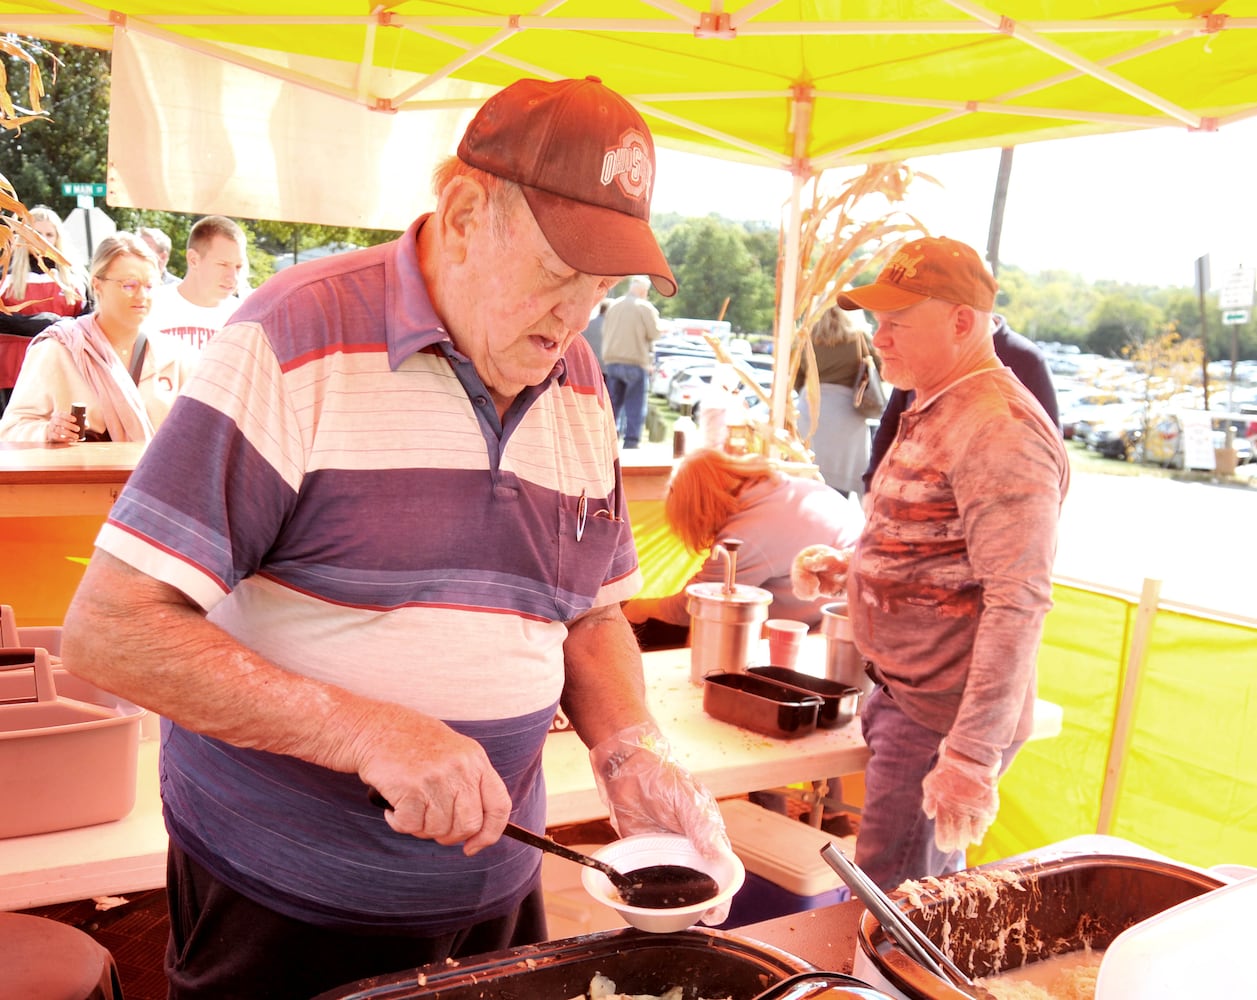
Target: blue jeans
[[896, 840], [626, 385]]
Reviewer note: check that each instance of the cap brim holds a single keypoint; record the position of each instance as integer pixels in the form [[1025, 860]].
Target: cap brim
[[879, 298], [598, 240]]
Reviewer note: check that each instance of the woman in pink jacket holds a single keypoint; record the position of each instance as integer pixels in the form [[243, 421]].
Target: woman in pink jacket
[[126, 379]]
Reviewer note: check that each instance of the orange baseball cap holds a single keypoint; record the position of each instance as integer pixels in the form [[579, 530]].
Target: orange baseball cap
[[930, 268], [586, 163]]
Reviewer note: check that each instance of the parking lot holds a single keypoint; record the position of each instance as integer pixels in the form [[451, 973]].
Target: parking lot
[[1198, 537]]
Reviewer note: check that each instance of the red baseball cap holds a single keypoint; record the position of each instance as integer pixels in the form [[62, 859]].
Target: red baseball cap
[[586, 163], [930, 268]]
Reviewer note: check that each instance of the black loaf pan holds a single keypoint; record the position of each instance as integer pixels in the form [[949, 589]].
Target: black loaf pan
[[761, 705], [707, 963], [839, 700]]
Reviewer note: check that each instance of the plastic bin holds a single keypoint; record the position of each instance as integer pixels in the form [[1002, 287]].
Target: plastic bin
[[784, 870], [67, 757]]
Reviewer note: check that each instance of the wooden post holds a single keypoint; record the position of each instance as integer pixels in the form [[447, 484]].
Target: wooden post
[[1120, 741]]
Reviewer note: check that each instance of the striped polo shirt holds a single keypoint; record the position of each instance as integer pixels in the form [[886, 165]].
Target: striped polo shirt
[[334, 489]]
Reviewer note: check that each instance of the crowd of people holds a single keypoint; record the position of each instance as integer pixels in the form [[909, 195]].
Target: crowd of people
[[119, 341], [379, 537]]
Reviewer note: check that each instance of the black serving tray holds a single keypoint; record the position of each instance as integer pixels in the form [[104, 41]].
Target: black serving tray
[[761, 705], [840, 701], [708, 963]]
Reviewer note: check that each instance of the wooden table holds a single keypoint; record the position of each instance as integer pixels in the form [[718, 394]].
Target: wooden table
[[54, 498], [728, 760], [41, 480]]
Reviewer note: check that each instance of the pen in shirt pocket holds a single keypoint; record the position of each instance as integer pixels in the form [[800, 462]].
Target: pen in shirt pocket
[[583, 514]]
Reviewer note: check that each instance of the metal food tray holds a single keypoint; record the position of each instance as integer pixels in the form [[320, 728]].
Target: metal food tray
[[761, 705], [840, 701], [707, 963]]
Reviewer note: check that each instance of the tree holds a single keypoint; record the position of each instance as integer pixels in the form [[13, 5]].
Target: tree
[[1121, 322], [72, 145], [714, 265]]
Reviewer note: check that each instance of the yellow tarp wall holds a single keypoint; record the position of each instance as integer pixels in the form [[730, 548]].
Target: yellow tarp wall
[[1187, 784]]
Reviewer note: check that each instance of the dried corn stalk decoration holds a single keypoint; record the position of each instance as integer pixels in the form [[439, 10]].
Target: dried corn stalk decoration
[[12, 116], [842, 235], [14, 220]]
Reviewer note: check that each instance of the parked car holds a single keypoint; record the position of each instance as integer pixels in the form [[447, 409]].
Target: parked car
[[666, 368], [1117, 435], [1084, 407], [690, 386], [1107, 415]]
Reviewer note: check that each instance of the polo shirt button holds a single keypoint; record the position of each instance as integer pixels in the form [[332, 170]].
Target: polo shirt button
[[481, 401]]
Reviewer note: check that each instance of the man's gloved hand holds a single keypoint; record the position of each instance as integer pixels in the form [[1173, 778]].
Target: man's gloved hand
[[962, 798], [819, 571], [646, 790]]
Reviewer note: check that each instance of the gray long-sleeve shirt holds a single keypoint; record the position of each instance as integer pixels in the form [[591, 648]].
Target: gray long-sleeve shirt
[[951, 579]]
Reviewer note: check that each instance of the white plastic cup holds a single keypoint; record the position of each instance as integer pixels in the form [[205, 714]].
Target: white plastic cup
[[785, 639]]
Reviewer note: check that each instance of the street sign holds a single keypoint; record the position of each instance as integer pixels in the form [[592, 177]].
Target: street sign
[[91, 190], [1234, 317], [1237, 290]]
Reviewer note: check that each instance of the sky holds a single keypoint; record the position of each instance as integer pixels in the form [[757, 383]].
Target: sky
[[1137, 208]]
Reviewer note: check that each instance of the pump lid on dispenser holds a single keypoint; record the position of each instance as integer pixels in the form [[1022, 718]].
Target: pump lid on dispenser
[[741, 594]]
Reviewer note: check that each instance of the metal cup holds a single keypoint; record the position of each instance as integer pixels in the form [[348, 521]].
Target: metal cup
[[843, 662]]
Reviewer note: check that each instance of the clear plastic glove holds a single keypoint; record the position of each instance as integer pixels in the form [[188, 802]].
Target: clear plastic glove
[[646, 790], [819, 571], [962, 798]]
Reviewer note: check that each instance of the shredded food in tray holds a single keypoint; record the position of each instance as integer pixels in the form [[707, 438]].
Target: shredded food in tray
[[603, 988], [1071, 976]]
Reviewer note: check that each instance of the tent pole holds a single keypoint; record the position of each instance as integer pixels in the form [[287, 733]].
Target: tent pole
[[1123, 723], [783, 336], [997, 208]]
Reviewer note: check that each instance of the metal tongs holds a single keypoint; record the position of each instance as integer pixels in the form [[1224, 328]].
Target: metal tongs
[[914, 941]]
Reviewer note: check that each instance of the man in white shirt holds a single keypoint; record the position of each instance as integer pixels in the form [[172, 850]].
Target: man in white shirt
[[199, 306]]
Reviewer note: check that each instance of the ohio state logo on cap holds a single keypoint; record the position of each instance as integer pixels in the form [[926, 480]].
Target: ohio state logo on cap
[[628, 165]]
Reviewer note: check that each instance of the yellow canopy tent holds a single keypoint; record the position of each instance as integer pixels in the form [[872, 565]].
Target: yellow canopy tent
[[799, 84]]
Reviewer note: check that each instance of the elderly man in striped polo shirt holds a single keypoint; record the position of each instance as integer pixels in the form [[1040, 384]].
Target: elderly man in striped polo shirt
[[381, 538]]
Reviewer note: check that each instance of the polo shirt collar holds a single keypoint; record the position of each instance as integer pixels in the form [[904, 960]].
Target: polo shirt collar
[[411, 322]]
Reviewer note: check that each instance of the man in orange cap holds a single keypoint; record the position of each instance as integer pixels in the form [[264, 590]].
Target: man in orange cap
[[949, 584], [383, 539]]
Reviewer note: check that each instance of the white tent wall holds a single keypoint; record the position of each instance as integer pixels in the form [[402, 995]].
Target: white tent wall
[[193, 133]]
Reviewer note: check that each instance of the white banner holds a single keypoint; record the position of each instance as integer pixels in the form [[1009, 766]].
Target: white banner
[[1197, 440], [192, 133]]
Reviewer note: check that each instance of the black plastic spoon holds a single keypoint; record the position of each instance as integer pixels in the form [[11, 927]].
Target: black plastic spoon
[[657, 887]]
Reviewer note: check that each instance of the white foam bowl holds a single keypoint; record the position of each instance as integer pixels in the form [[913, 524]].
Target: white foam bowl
[[647, 849]]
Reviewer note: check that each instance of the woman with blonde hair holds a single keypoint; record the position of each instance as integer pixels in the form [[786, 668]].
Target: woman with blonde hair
[[126, 377], [39, 284], [713, 496]]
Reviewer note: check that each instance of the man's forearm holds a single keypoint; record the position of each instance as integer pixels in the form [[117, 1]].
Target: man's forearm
[[604, 690], [140, 639]]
